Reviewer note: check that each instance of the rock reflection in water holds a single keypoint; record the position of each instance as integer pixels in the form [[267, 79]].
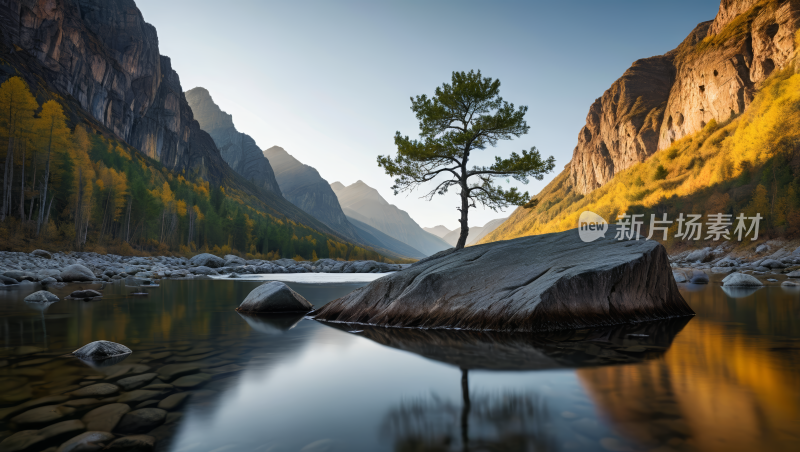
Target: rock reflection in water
[[622, 344], [273, 323]]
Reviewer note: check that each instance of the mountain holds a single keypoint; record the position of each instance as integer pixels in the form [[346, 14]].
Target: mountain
[[476, 233], [304, 187], [365, 204], [438, 231], [100, 60], [713, 74], [239, 150], [381, 240], [723, 137]]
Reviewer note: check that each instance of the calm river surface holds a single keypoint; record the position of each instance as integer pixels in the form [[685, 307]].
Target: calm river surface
[[725, 380]]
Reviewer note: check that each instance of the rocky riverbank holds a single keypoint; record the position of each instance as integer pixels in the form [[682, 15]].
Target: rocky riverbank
[[769, 258], [44, 267]]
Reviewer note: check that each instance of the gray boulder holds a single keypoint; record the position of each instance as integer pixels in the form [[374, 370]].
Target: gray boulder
[[274, 297], [790, 284], [679, 276], [702, 255], [699, 277], [794, 274], [741, 279], [537, 283], [85, 294], [772, 263], [230, 260], [207, 260], [48, 281], [100, 350], [42, 253], [76, 272], [5, 280], [42, 296], [203, 270]]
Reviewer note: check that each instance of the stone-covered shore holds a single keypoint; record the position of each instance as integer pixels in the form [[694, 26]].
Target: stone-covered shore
[[44, 267]]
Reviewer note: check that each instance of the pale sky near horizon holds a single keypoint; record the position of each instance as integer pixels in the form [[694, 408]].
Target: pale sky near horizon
[[330, 82]]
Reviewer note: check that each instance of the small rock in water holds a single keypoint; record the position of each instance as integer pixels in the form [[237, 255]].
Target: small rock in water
[[85, 294], [101, 350], [42, 296], [772, 280], [137, 443], [86, 442], [699, 277], [638, 335], [233, 275], [741, 279], [794, 274], [790, 284], [140, 421], [48, 281], [106, 417], [29, 440], [7, 281], [274, 297]]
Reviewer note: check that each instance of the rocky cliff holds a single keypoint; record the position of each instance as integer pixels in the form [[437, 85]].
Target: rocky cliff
[[101, 61], [239, 150], [304, 187], [713, 74]]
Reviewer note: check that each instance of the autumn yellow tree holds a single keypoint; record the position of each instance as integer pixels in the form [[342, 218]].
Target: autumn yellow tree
[[17, 107], [54, 135]]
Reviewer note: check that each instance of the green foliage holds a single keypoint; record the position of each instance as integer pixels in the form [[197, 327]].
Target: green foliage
[[465, 116], [661, 173]]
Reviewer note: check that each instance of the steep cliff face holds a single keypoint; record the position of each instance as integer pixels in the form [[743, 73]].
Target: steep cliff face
[[713, 74], [102, 54], [239, 150]]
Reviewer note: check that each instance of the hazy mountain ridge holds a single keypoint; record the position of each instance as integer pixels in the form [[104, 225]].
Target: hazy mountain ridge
[[438, 230], [476, 233], [304, 187], [238, 149], [365, 204]]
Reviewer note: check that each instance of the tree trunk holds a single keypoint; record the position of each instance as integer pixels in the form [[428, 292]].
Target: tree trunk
[[33, 187], [46, 178], [465, 410], [9, 154], [7, 199], [22, 188], [462, 239]]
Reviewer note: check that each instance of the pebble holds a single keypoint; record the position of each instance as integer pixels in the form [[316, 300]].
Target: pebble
[[105, 418], [138, 443], [141, 421], [88, 441], [190, 381], [42, 415], [174, 401], [96, 390], [172, 371], [139, 396], [135, 382], [39, 439]]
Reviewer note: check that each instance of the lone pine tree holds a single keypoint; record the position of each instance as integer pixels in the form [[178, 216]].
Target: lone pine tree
[[462, 117]]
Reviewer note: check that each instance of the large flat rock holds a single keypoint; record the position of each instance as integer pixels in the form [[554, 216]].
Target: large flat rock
[[540, 283]]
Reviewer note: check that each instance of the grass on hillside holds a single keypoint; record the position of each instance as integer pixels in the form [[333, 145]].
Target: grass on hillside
[[748, 164]]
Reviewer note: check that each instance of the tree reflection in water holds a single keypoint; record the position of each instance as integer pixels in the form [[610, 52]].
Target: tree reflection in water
[[508, 421]]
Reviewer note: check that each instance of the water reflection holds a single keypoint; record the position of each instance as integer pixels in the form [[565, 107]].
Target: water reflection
[[502, 351], [727, 380]]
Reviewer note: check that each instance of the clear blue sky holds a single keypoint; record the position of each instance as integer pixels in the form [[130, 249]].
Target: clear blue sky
[[330, 81]]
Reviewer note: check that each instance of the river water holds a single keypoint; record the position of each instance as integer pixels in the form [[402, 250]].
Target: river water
[[725, 380]]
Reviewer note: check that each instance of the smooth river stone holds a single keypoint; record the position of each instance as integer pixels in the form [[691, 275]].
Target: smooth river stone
[[96, 390], [42, 416], [140, 421], [174, 401], [133, 443], [88, 441], [172, 371], [119, 371], [30, 440], [190, 381], [139, 396], [105, 418], [42, 401], [135, 382]]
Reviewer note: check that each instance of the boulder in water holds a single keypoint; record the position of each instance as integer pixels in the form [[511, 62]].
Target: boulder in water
[[207, 260], [76, 272], [539, 283], [101, 350], [699, 277], [42, 296], [741, 279], [274, 297], [85, 294]]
